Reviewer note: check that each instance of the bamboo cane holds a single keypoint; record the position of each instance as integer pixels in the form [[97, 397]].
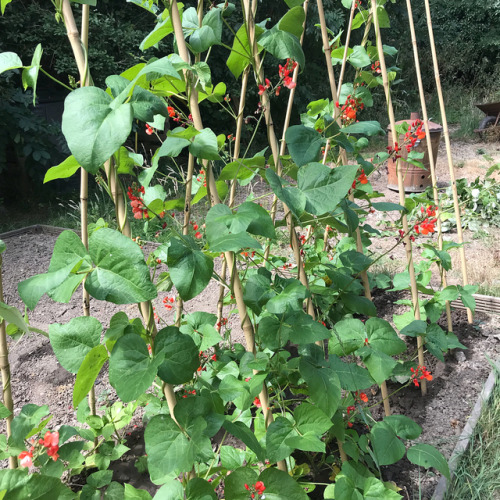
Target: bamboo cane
[[429, 152], [448, 152], [229, 256], [232, 192], [273, 142], [406, 239], [5, 369], [189, 175], [291, 97], [335, 95]]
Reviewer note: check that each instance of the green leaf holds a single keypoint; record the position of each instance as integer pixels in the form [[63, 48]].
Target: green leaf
[[352, 377], [403, 426], [30, 74], [121, 275], [350, 336], [3, 4], [12, 316], [190, 269], [69, 256], [282, 45], [4, 411], [261, 223], [131, 369], [323, 384], [387, 447], [234, 483], [160, 31], [205, 145], [242, 169], [100, 478], [304, 144], [24, 423], [428, 456], [93, 127], [310, 418], [74, 340], [126, 161], [303, 329], [280, 485], [384, 206], [293, 20], [383, 338], [359, 58], [171, 490], [324, 188], [365, 127], [380, 365], [180, 355], [415, 328], [292, 197], [172, 146], [62, 171], [277, 432], [258, 290], [88, 372], [240, 431], [167, 448], [9, 60], [290, 299], [374, 489], [240, 56], [200, 489], [21, 486]]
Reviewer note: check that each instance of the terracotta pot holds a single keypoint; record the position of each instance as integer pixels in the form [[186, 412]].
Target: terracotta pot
[[415, 179]]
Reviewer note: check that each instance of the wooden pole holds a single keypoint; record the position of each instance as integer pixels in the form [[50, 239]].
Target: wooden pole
[[425, 116], [446, 135], [246, 324], [406, 239], [5, 369]]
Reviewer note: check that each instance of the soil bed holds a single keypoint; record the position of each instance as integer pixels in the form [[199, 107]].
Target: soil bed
[[38, 378]]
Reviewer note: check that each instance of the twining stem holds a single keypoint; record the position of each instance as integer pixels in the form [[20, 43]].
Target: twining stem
[[273, 142], [429, 153], [237, 288], [232, 192], [6, 380], [446, 135], [291, 97], [406, 238]]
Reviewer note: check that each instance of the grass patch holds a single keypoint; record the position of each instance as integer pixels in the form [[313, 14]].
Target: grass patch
[[477, 476]]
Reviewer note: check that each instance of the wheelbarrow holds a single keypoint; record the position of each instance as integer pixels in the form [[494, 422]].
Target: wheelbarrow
[[489, 127]]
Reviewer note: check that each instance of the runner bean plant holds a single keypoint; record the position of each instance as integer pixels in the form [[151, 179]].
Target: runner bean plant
[[294, 394]]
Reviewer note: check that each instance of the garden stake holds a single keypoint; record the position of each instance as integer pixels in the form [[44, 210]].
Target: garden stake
[[429, 152], [5, 369], [274, 205], [406, 239], [80, 51], [246, 324], [448, 152], [273, 142], [190, 171], [232, 192], [343, 156]]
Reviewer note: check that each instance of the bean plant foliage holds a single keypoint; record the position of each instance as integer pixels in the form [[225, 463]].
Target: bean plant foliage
[[294, 397]]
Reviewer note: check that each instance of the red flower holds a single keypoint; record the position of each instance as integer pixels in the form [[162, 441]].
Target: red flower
[[171, 111], [420, 373], [257, 403], [149, 130], [197, 235], [25, 459], [259, 487]]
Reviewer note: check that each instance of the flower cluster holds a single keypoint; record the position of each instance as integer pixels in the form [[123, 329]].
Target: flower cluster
[[201, 177], [136, 202], [51, 444], [376, 68], [149, 130], [263, 88], [362, 179], [350, 109], [414, 134], [189, 393], [420, 373], [284, 73], [168, 301], [221, 323], [257, 489]]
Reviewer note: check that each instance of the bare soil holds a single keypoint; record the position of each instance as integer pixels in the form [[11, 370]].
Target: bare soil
[[38, 378]]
